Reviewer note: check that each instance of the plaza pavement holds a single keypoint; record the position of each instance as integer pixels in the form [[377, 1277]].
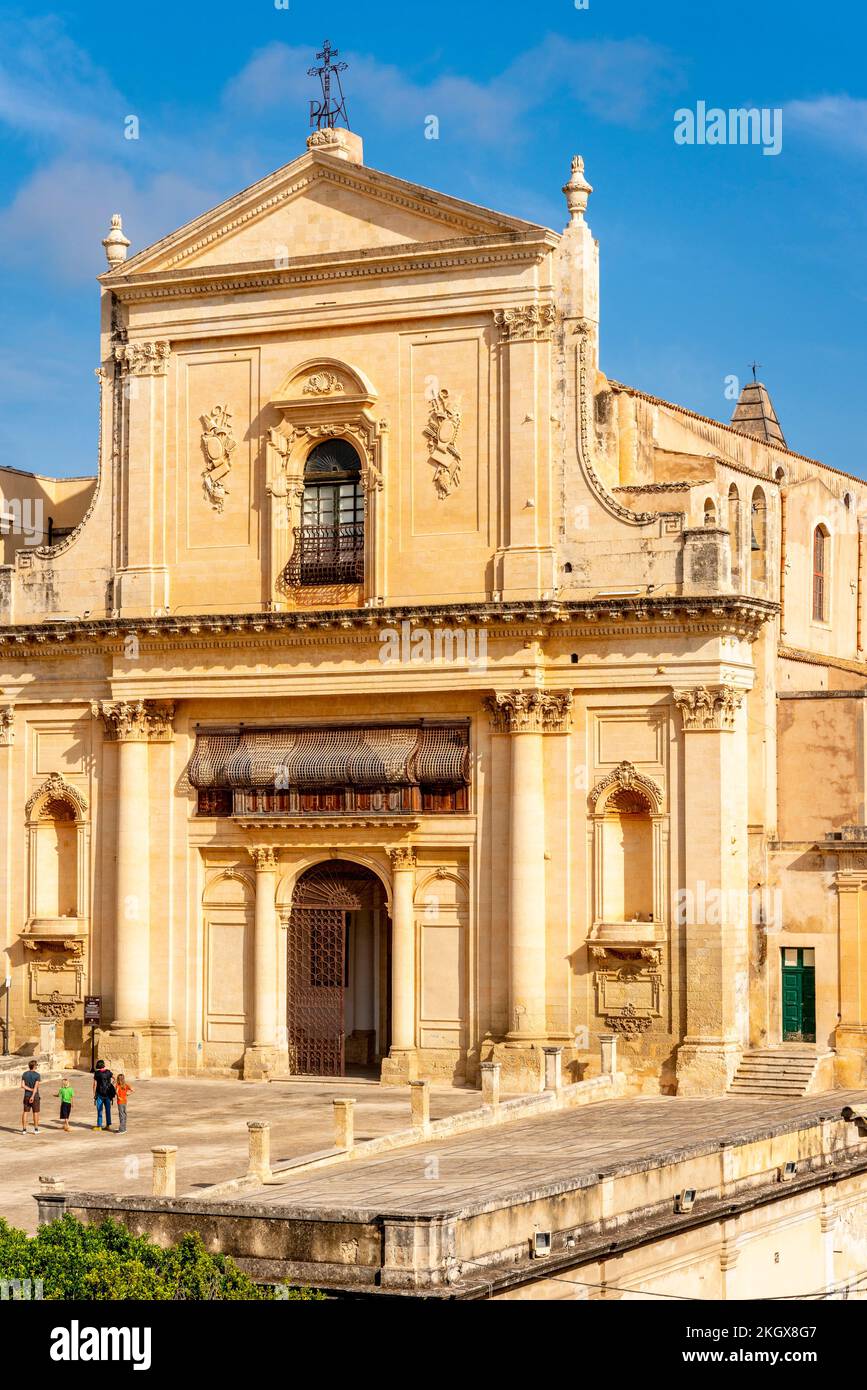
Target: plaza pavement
[[206, 1119]]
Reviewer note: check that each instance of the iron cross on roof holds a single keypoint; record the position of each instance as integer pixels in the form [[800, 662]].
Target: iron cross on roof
[[326, 111]]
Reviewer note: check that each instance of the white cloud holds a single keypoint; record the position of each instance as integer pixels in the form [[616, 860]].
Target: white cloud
[[838, 120]]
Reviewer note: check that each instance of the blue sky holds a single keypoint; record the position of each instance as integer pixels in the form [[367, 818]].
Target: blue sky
[[711, 255]]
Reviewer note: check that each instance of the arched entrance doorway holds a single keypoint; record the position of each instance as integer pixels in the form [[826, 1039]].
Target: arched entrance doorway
[[338, 975]]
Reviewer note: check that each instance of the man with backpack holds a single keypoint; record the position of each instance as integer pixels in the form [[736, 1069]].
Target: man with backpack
[[103, 1094]]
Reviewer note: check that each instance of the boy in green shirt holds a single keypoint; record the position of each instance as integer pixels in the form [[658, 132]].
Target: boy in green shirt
[[66, 1093]]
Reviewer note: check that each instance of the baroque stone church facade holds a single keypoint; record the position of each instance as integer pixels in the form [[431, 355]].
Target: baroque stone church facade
[[404, 693]]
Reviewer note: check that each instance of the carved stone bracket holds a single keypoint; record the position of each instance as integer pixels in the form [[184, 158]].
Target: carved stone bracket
[[143, 359], [135, 721], [530, 711], [626, 777], [525, 322], [707, 708]]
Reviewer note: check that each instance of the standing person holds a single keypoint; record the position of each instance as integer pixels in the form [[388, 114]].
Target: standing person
[[31, 1099], [65, 1093], [123, 1090], [103, 1094]]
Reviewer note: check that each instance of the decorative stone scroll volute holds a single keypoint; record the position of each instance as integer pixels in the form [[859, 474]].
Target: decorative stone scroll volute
[[135, 721], [143, 359], [7, 725], [707, 708], [525, 322], [530, 711]]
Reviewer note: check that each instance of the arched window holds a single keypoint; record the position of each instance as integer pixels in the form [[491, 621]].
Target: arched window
[[820, 574], [758, 538], [709, 512], [735, 531], [330, 541]]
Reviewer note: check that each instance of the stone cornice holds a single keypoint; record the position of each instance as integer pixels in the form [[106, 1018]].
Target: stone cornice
[[497, 248], [596, 618], [530, 711]]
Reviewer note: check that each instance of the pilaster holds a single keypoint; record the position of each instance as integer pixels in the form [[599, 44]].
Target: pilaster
[[713, 899], [133, 725], [526, 716]]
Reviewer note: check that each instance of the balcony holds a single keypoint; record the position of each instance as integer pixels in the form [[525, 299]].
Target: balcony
[[327, 555]]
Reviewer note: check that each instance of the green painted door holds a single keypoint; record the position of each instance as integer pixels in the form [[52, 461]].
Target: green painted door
[[799, 994]]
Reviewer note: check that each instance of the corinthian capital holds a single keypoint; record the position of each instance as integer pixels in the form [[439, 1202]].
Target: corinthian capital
[[708, 707], [135, 721], [264, 857], [403, 857], [530, 711]]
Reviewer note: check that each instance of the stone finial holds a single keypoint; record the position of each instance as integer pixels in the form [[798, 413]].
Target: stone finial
[[577, 190], [115, 243]]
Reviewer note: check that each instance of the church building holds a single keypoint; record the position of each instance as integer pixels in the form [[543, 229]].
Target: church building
[[404, 693]]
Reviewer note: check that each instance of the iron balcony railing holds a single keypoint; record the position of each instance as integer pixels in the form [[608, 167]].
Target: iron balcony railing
[[328, 554]]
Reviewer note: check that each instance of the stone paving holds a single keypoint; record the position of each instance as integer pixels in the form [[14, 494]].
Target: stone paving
[[494, 1165], [207, 1119]]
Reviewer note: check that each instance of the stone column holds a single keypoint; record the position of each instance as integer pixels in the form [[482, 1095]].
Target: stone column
[[527, 715], [401, 1061], [261, 1059], [133, 725], [712, 898]]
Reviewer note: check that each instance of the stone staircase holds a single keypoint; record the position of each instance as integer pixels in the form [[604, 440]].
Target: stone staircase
[[776, 1071]]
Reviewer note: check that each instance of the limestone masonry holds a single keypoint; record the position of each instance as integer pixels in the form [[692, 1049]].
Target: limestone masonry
[[404, 694]]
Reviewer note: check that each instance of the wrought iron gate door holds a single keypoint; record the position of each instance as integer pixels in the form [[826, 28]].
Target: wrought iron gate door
[[315, 989]]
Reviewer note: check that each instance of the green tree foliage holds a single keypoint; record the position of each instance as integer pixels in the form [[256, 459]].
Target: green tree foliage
[[78, 1262]]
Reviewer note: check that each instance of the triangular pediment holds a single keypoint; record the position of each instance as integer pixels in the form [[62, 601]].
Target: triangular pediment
[[318, 205]]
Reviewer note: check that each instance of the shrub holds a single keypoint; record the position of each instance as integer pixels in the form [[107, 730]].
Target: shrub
[[79, 1262]]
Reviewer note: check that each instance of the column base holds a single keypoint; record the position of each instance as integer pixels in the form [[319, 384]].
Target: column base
[[399, 1067], [850, 1065], [127, 1048], [522, 1065], [261, 1063], [706, 1068]]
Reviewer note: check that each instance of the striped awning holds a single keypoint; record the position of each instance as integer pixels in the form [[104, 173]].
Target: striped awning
[[435, 755]]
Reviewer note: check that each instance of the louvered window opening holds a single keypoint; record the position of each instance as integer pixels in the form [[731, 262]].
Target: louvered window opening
[[376, 770]]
